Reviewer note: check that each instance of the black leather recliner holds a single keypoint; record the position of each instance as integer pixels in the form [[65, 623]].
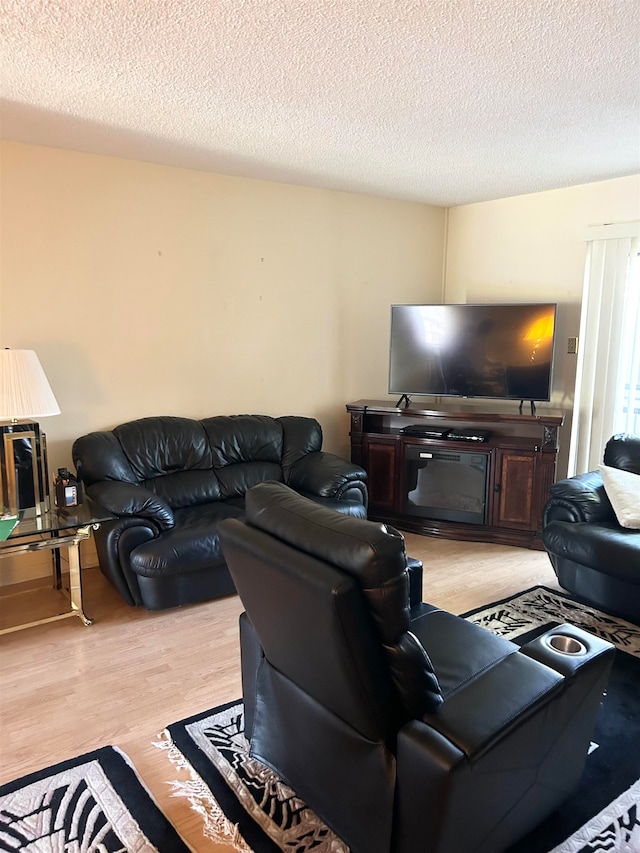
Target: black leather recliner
[[594, 557], [404, 728], [171, 480]]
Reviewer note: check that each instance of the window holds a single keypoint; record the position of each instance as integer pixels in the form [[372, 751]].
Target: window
[[608, 352], [627, 405]]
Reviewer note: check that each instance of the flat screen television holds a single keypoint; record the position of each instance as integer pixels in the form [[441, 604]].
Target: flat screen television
[[496, 351]]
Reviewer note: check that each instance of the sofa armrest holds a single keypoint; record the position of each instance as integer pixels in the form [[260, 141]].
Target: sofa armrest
[[128, 499], [115, 540], [580, 498], [328, 476], [489, 706], [514, 738]]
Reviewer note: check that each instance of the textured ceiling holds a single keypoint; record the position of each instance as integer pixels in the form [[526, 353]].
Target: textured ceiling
[[439, 101]]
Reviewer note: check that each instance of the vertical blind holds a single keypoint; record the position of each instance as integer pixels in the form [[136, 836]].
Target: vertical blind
[[627, 403], [608, 350]]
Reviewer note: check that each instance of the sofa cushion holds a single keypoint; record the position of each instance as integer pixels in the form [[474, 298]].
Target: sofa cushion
[[606, 548], [186, 488], [243, 438], [161, 445], [623, 490], [245, 450], [191, 545], [236, 480], [458, 650], [99, 456], [171, 457]]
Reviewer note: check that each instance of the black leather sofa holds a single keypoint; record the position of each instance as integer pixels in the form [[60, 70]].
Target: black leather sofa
[[594, 557], [170, 481], [405, 728]]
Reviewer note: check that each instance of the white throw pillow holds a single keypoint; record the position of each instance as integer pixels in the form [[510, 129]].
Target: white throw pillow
[[623, 490]]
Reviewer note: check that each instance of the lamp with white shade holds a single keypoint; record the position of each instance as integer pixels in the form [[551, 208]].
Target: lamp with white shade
[[25, 394]]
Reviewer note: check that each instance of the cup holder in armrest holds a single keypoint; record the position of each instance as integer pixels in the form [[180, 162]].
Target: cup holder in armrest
[[565, 645], [570, 650]]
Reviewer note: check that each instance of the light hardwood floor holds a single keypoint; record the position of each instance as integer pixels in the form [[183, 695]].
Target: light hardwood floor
[[66, 689]]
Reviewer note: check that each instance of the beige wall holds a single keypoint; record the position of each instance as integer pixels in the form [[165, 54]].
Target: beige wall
[[530, 248], [154, 290], [148, 289]]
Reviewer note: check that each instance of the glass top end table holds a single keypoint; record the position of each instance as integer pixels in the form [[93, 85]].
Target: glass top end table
[[53, 530]]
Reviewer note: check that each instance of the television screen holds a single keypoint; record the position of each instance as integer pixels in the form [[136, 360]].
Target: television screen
[[500, 351]]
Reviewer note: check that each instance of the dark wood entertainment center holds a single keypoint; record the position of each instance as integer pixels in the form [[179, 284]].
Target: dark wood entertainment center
[[519, 457]]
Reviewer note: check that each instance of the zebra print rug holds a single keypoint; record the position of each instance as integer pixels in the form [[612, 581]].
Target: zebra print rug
[[94, 803], [245, 805]]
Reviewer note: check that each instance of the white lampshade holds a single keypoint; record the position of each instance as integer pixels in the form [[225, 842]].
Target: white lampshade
[[24, 389]]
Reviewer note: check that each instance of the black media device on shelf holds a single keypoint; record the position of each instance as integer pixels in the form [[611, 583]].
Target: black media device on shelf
[[492, 351], [425, 431]]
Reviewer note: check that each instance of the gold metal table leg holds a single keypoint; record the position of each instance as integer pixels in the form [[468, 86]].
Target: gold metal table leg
[[75, 576]]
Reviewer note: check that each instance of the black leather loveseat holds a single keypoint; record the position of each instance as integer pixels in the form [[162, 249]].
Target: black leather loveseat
[[593, 555], [171, 480]]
